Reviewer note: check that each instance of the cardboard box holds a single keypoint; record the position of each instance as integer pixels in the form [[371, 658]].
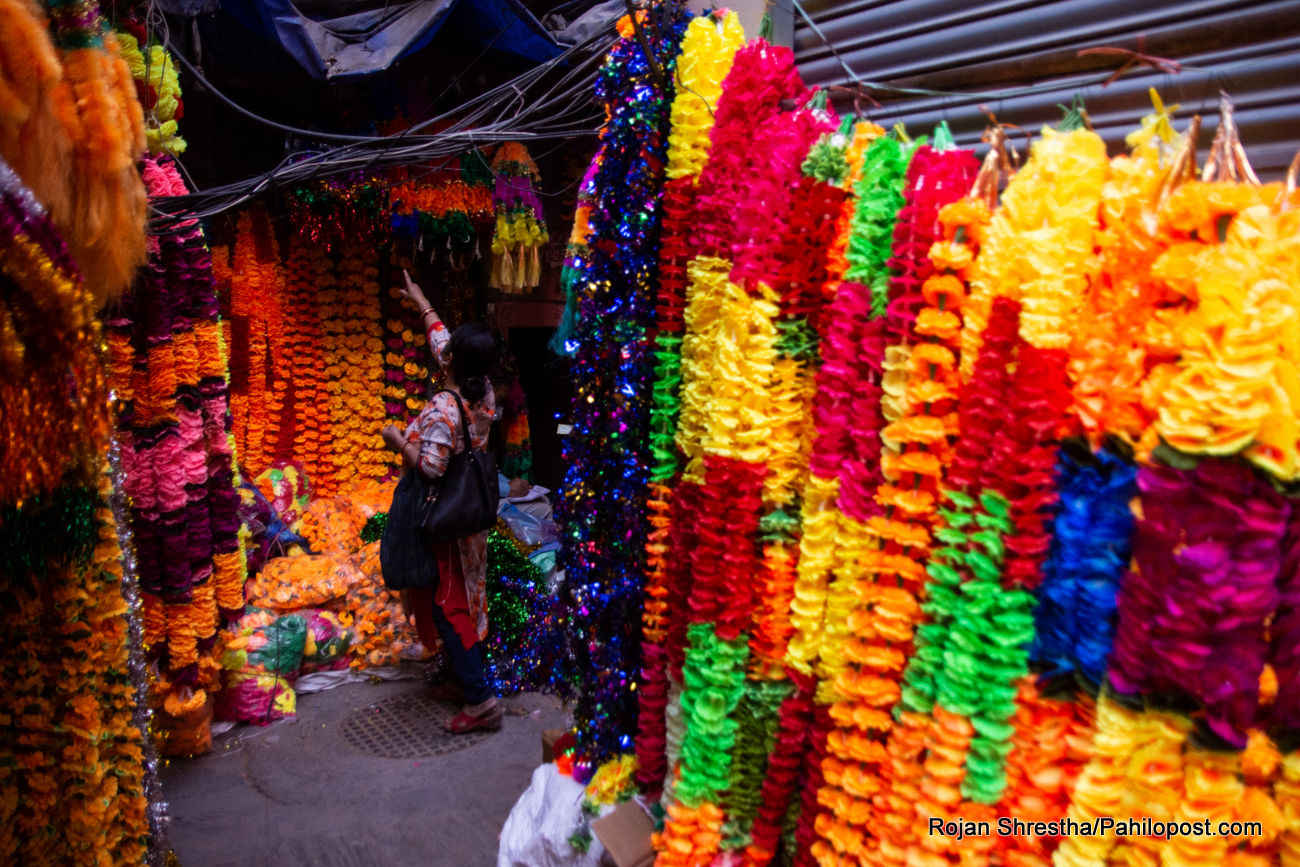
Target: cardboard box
[[549, 737], [625, 834]]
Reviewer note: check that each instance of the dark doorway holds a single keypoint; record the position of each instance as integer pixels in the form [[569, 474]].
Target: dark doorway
[[548, 387]]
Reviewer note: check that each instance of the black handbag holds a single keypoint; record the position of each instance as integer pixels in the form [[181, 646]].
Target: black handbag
[[463, 500], [405, 558]]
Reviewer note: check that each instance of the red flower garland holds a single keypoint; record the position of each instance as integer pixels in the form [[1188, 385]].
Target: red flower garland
[[723, 560], [783, 770]]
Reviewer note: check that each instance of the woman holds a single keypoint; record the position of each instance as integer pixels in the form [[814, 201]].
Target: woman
[[456, 610]]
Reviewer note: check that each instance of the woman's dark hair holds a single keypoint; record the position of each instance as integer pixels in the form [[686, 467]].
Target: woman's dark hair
[[473, 352]]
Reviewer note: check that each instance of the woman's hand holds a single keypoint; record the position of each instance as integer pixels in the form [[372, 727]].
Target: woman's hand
[[393, 437], [413, 293]]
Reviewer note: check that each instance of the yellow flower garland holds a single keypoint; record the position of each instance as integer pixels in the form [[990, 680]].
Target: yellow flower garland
[[708, 49]]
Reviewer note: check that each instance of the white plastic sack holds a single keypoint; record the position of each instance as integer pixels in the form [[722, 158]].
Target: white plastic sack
[[322, 680], [536, 834]]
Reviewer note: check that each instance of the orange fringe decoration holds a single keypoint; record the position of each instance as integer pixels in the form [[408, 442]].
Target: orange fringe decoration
[[772, 624], [72, 128], [654, 619]]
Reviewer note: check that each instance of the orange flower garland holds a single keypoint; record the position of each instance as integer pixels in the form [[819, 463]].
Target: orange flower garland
[[258, 349], [304, 434], [438, 200], [354, 369], [1052, 743]]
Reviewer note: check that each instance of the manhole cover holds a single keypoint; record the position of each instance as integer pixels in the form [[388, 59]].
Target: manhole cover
[[406, 727]]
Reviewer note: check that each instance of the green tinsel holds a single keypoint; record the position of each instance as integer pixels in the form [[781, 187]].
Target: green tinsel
[[1075, 115], [475, 171], [455, 225], [757, 717], [373, 530], [975, 647], [49, 531], [714, 681], [871, 231], [517, 651]]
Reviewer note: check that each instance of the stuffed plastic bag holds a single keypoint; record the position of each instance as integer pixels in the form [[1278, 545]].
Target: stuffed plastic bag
[[332, 525], [291, 583], [286, 486], [384, 636], [329, 638], [261, 659], [263, 641], [255, 697], [528, 529]]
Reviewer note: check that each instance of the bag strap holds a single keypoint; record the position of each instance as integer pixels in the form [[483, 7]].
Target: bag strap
[[464, 423]]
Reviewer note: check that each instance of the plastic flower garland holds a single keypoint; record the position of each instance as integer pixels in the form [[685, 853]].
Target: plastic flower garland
[[305, 433], [350, 319], [257, 348], [602, 508], [159, 85], [1110, 355], [176, 455], [706, 53], [1217, 526], [406, 355], [1074, 621], [521, 225]]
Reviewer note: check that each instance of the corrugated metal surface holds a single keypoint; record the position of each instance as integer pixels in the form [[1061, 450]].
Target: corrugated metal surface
[[980, 50]]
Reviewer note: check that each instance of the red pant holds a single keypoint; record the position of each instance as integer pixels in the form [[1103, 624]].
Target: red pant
[[449, 596]]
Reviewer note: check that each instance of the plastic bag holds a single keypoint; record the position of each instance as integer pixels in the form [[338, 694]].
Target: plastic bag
[[328, 640], [286, 486], [291, 583], [261, 658], [255, 697], [332, 525], [264, 642], [384, 636], [370, 497], [528, 529]]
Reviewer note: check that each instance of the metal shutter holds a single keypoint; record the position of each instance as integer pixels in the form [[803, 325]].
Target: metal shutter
[[1249, 49]]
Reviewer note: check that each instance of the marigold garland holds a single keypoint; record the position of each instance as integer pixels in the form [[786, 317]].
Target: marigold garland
[[350, 319]]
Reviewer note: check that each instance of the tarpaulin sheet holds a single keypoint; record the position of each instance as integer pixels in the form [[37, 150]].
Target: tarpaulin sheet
[[337, 38]]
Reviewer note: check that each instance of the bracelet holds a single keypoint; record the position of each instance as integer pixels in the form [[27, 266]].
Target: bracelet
[[426, 311]]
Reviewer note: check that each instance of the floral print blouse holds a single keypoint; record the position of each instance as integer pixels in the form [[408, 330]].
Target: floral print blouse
[[439, 432]]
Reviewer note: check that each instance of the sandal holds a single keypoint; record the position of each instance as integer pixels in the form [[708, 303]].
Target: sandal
[[448, 691], [462, 723]]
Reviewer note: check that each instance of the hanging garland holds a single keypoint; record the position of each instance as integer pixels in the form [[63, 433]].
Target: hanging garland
[[256, 339], [73, 130], [158, 86], [169, 379], [350, 320], [602, 508], [521, 224], [71, 743]]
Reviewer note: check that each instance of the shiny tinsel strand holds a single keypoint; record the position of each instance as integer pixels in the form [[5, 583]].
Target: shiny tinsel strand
[[160, 852]]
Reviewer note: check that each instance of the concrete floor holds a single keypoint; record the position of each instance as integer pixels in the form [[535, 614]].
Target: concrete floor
[[295, 793]]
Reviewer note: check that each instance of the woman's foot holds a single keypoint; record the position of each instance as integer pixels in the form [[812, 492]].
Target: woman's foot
[[448, 691], [476, 717]]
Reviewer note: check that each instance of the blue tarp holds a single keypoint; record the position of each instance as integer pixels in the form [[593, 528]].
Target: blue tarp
[[338, 38]]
